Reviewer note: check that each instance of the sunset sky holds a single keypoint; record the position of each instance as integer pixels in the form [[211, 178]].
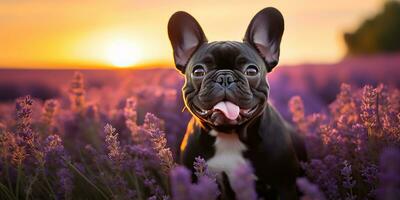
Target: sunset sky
[[58, 34]]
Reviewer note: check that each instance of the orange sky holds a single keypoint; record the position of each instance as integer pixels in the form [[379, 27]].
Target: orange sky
[[91, 33]]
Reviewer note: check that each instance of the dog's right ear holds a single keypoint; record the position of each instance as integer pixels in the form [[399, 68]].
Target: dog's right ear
[[186, 37]]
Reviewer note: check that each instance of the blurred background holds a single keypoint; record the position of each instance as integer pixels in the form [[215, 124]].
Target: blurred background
[[109, 34], [122, 49]]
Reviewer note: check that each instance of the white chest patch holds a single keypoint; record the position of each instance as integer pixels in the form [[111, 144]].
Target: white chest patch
[[228, 153]]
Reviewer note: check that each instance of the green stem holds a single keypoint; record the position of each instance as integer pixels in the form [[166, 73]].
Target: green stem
[[137, 186], [7, 192], [87, 180], [30, 185], [351, 193], [103, 179], [8, 177], [92, 173], [18, 181], [49, 186]]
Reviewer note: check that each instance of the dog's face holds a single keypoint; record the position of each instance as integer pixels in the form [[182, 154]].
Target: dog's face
[[226, 83]]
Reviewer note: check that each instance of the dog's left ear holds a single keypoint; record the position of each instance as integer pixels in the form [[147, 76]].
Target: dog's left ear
[[264, 33], [186, 37]]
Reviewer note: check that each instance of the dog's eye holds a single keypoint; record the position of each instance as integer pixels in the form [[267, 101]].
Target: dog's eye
[[199, 71], [251, 70]]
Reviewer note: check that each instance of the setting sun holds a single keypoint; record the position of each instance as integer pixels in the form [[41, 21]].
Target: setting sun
[[122, 53]]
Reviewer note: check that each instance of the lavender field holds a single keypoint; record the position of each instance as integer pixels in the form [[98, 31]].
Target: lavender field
[[116, 134]]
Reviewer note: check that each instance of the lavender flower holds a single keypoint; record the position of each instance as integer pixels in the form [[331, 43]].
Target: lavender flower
[[322, 173], [114, 149], [164, 153], [389, 176], [369, 107], [49, 110], [24, 116], [27, 139], [206, 188], [77, 93], [180, 183], [296, 107], [346, 172], [131, 119], [159, 142], [18, 154], [344, 109], [348, 181], [54, 150], [370, 173], [183, 189], [92, 112], [5, 147], [154, 187], [151, 122], [394, 100], [243, 182], [56, 158], [201, 169], [310, 190], [391, 124], [65, 178], [383, 100]]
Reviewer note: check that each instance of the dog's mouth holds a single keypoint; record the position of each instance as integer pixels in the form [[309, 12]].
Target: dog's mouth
[[225, 113]]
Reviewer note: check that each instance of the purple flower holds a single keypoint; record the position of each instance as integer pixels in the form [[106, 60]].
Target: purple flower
[[343, 109], [151, 122], [369, 107], [24, 117], [154, 187], [391, 124], [323, 172], [346, 172], [159, 142], [50, 108], [180, 183], [310, 190], [206, 188], [243, 182], [27, 139], [370, 173], [296, 107], [77, 93], [56, 158], [65, 178], [115, 152], [92, 112], [348, 181], [201, 169], [183, 189], [389, 176], [55, 153], [130, 115]]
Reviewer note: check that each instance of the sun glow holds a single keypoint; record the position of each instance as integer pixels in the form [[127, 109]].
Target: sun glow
[[122, 53]]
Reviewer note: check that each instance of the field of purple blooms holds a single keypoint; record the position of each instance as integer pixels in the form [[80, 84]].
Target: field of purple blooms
[[72, 147]]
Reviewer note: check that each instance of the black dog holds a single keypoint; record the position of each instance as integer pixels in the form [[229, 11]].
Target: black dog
[[226, 90]]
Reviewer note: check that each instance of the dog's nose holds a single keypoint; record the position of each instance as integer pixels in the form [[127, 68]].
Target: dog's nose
[[225, 79]]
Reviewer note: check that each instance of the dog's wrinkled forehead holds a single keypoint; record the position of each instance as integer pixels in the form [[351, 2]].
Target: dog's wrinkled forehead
[[226, 55]]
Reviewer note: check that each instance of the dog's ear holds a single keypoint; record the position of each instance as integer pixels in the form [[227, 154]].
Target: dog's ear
[[264, 33], [186, 37]]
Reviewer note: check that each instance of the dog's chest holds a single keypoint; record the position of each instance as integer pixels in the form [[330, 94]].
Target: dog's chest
[[228, 153]]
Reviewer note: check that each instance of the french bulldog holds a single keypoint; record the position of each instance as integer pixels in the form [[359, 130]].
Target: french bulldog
[[226, 91]]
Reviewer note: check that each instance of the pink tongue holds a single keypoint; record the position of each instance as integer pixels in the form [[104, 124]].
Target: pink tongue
[[230, 110]]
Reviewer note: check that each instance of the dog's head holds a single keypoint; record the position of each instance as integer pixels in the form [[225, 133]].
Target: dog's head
[[226, 83]]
